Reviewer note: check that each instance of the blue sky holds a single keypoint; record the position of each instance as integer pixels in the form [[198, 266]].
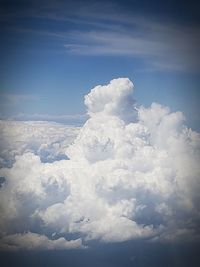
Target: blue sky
[[54, 52], [111, 193]]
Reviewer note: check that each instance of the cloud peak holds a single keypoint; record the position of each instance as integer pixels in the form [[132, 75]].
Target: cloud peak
[[130, 173]]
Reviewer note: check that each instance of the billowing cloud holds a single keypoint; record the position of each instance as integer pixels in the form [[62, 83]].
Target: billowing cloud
[[131, 173], [47, 139]]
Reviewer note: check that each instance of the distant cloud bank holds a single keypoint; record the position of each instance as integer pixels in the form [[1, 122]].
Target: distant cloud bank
[[129, 173]]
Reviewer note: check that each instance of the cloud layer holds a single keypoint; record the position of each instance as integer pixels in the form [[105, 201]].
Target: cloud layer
[[49, 140], [131, 173]]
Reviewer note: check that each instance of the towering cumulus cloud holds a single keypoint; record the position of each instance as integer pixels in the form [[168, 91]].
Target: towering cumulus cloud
[[131, 173]]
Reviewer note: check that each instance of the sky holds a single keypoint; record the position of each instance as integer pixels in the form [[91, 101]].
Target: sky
[[54, 52], [99, 133]]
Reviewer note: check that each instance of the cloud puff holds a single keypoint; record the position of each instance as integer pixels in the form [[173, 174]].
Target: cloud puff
[[132, 173], [115, 99]]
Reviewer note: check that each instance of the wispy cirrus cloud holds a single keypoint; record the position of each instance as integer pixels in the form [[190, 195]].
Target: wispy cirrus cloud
[[106, 30], [162, 46]]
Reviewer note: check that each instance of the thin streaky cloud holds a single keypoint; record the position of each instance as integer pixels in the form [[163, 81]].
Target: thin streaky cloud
[[163, 45], [168, 47], [47, 117], [18, 98], [157, 44]]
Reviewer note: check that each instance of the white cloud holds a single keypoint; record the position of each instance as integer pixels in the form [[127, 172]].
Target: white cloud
[[47, 139], [32, 241], [107, 29], [114, 99], [161, 46], [132, 173], [75, 119]]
